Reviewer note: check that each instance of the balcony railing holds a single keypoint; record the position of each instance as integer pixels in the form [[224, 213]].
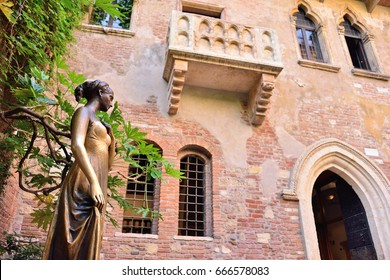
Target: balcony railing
[[208, 52]]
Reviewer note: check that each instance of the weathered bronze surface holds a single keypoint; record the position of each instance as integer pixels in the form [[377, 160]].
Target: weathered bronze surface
[[76, 229]]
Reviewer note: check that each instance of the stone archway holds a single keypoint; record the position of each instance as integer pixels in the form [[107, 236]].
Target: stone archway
[[366, 179]]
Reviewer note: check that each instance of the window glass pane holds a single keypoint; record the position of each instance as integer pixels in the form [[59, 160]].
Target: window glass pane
[[313, 45], [301, 43]]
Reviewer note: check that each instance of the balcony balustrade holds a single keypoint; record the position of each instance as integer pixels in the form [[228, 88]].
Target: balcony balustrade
[[213, 53]]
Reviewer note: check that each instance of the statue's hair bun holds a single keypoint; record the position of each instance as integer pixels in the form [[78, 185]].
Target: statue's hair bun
[[86, 89], [79, 92]]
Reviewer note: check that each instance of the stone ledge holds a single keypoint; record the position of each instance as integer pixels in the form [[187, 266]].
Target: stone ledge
[[370, 74], [107, 30], [318, 65], [136, 235], [193, 238]]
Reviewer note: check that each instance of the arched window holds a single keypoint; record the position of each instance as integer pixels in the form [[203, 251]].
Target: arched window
[[354, 40], [306, 31], [141, 192], [195, 196], [359, 43]]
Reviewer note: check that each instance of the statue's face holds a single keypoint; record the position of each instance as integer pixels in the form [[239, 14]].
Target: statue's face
[[106, 98]]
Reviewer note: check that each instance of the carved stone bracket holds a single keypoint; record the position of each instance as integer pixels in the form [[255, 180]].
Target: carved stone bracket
[[176, 83], [259, 98]]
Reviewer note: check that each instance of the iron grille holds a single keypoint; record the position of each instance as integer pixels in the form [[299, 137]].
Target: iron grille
[[140, 194], [192, 197]]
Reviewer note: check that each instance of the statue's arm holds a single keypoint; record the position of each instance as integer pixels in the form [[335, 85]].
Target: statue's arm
[[79, 128], [111, 151]]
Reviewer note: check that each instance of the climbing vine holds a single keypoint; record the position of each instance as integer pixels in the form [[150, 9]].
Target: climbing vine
[[36, 86]]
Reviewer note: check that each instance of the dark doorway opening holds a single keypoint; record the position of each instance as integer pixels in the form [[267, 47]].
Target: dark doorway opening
[[342, 228]]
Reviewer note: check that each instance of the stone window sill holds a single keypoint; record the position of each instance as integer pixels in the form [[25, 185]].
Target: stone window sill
[[136, 235], [193, 238], [370, 74], [318, 65], [107, 30]]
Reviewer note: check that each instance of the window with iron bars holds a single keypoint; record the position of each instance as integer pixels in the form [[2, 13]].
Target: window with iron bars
[[195, 197], [354, 40], [307, 37], [141, 193]]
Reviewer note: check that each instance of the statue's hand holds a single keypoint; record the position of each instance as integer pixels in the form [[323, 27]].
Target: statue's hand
[[97, 196]]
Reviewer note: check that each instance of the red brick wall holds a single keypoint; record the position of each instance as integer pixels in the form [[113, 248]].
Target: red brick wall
[[8, 204]]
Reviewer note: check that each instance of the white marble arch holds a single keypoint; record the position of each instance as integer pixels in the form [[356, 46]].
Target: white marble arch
[[366, 179]]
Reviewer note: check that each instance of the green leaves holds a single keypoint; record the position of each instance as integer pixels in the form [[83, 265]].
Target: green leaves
[[108, 7], [5, 7], [31, 90], [17, 249], [33, 65], [42, 31], [43, 217]]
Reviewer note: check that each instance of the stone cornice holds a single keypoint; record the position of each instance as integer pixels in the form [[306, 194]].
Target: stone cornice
[[318, 65]]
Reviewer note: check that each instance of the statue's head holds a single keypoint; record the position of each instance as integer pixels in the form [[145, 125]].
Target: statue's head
[[97, 89]]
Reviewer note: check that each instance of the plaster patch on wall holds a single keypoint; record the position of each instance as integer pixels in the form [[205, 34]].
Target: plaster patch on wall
[[375, 118], [151, 249], [291, 147], [226, 250], [371, 152], [263, 238], [269, 177], [382, 90], [220, 113], [268, 213]]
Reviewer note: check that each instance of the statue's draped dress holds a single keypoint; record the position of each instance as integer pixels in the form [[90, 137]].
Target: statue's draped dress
[[76, 230]]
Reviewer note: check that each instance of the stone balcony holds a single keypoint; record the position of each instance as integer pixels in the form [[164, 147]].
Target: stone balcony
[[213, 53]]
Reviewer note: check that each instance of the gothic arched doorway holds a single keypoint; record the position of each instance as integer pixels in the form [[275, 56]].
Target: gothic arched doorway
[[368, 182], [341, 222]]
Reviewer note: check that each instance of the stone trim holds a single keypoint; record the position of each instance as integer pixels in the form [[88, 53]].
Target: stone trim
[[370, 74], [136, 235], [208, 8], [367, 180], [107, 30], [318, 65], [193, 238]]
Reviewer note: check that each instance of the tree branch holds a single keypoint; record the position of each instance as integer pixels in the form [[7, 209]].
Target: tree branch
[[23, 113], [10, 114]]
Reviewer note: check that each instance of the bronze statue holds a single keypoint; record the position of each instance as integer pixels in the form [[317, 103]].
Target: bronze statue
[[76, 229]]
